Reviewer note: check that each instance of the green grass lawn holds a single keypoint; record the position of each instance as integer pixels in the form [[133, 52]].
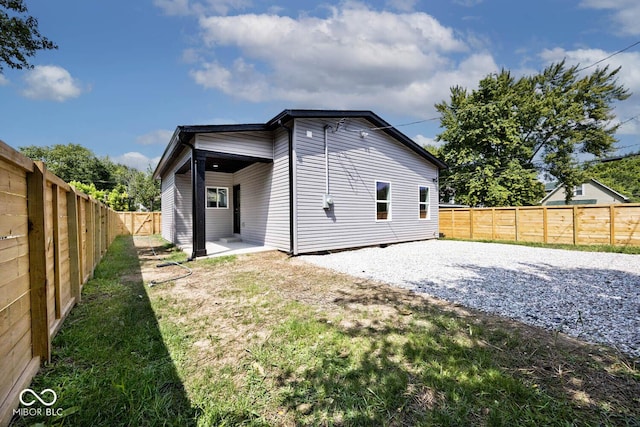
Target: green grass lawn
[[267, 340], [110, 365]]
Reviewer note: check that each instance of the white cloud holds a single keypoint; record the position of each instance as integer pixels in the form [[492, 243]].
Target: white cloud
[[425, 140], [189, 7], [3, 80], [160, 136], [402, 5], [628, 76], [137, 160], [51, 82], [626, 13], [355, 57], [190, 56]]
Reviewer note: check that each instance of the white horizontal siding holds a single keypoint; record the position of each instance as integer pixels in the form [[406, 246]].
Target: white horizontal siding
[[253, 144], [167, 207], [264, 198], [182, 213], [219, 221], [277, 234], [354, 166], [175, 209], [255, 192]]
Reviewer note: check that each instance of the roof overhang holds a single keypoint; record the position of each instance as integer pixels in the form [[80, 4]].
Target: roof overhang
[[377, 122], [183, 135]]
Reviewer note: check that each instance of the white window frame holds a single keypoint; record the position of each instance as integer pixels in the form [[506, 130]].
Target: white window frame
[[578, 188], [426, 204], [388, 202], [206, 197]]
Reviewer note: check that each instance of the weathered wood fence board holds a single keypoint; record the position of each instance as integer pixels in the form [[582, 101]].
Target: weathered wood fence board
[[580, 224], [51, 239]]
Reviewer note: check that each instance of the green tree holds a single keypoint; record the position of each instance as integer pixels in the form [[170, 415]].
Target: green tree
[[89, 189], [118, 199], [500, 137], [622, 175], [73, 162], [144, 190], [121, 187], [19, 35]]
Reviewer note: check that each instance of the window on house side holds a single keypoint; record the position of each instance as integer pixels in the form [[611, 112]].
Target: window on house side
[[578, 190], [424, 203], [217, 198], [383, 201]]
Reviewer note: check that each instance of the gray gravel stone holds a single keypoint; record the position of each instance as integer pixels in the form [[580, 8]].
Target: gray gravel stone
[[593, 296]]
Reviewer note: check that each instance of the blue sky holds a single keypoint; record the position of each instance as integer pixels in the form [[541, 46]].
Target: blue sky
[[128, 72]]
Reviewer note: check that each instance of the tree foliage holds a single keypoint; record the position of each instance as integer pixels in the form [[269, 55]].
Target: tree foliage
[[500, 137], [19, 35], [73, 162], [622, 175], [89, 189], [119, 186]]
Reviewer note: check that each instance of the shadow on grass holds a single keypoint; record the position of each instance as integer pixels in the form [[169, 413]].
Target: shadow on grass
[[109, 364], [428, 380], [441, 368], [453, 368]]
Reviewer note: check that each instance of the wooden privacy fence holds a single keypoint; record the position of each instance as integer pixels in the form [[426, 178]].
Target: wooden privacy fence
[[139, 223], [577, 225], [51, 239]]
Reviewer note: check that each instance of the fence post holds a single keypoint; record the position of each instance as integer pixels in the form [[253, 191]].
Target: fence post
[[493, 223], [55, 214], [471, 223], [36, 208], [96, 233], [73, 225], [612, 225], [575, 224], [545, 226], [90, 230], [517, 223], [453, 223]]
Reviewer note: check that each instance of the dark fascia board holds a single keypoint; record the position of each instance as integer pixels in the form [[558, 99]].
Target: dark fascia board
[[183, 134], [373, 118]]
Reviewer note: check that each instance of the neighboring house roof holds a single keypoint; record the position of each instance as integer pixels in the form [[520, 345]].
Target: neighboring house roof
[[550, 186], [590, 181], [183, 134]]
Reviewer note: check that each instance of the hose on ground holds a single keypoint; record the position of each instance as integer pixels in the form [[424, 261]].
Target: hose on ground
[[166, 264]]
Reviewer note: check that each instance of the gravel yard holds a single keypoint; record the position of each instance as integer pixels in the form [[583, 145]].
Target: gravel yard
[[593, 296]]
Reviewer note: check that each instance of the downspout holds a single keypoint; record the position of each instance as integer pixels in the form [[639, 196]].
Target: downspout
[[291, 189], [326, 159]]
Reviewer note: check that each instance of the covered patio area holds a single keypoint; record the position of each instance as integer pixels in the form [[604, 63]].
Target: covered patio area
[[224, 247]]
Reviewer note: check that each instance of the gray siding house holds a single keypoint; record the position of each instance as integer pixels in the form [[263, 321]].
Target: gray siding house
[[591, 192], [305, 181]]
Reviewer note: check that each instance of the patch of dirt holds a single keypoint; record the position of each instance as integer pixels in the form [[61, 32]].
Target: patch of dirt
[[233, 306]]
